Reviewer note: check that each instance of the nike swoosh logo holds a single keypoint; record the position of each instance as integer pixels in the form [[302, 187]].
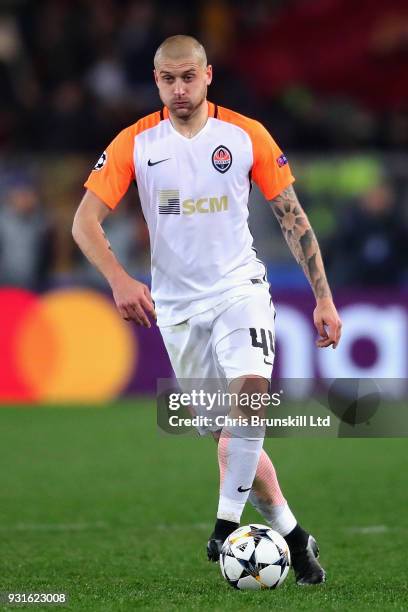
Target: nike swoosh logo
[[241, 490], [267, 362], [150, 163]]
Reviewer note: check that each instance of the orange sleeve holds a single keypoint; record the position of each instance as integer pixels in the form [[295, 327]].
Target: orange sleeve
[[114, 170], [270, 170]]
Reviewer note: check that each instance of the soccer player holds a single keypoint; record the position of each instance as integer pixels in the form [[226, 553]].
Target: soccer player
[[193, 163]]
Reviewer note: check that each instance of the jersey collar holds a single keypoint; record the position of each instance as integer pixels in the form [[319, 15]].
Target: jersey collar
[[212, 113]]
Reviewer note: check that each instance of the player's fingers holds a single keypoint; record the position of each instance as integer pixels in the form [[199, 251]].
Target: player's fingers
[[337, 335], [140, 315], [146, 291], [124, 312], [333, 335], [128, 313], [150, 300], [148, 306], [334, 330], [320, 328], [324, 343], [331, 330]]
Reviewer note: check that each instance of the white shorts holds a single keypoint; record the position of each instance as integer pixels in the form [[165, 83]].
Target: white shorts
[[233, 339]]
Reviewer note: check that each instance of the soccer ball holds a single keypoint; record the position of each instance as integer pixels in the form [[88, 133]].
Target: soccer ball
[[254, 557]]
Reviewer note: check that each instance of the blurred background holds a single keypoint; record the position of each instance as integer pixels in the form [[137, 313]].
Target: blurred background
[[328, 78]]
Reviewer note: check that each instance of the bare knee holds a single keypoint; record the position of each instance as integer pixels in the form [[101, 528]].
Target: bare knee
[[249, 390]]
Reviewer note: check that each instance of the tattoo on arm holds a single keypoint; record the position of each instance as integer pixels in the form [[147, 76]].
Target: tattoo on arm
[[301, 239]]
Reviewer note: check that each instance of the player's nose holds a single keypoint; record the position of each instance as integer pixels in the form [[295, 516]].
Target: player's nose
[[179, 88]]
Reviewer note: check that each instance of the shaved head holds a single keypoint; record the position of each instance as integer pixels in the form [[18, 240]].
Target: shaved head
[[182, 77], [176, 48]]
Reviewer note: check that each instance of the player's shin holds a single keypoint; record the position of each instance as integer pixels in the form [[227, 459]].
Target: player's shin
[[239, 448], [266, 497], [238, 459]]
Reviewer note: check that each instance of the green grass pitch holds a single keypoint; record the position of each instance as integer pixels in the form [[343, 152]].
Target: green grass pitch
[[97, 503]]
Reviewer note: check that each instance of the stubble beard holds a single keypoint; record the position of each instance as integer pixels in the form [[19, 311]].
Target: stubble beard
[[188, 111]]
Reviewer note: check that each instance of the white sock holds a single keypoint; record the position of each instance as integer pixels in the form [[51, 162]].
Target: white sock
[[239, 458], [280, 518]]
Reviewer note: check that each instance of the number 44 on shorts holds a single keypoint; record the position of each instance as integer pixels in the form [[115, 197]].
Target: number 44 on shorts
[[259, 340]]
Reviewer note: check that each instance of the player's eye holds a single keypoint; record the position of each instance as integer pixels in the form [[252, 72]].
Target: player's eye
[[189, 77]]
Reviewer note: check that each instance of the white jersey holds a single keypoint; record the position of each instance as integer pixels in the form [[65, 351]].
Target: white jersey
[[194, 195]]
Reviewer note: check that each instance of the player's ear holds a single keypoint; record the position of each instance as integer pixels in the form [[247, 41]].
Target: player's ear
[[209, 74], [156, 78]]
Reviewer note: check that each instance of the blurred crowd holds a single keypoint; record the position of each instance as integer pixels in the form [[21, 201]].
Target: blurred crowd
[[36, 247], [327, 77], [318, 73]]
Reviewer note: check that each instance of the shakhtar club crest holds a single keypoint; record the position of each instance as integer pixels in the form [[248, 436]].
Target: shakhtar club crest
[[221, 159]]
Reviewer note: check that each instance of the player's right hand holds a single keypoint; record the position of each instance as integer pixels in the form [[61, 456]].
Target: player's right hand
[[133, 300]]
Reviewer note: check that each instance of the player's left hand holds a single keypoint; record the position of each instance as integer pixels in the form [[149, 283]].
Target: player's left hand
[[327, 323]]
